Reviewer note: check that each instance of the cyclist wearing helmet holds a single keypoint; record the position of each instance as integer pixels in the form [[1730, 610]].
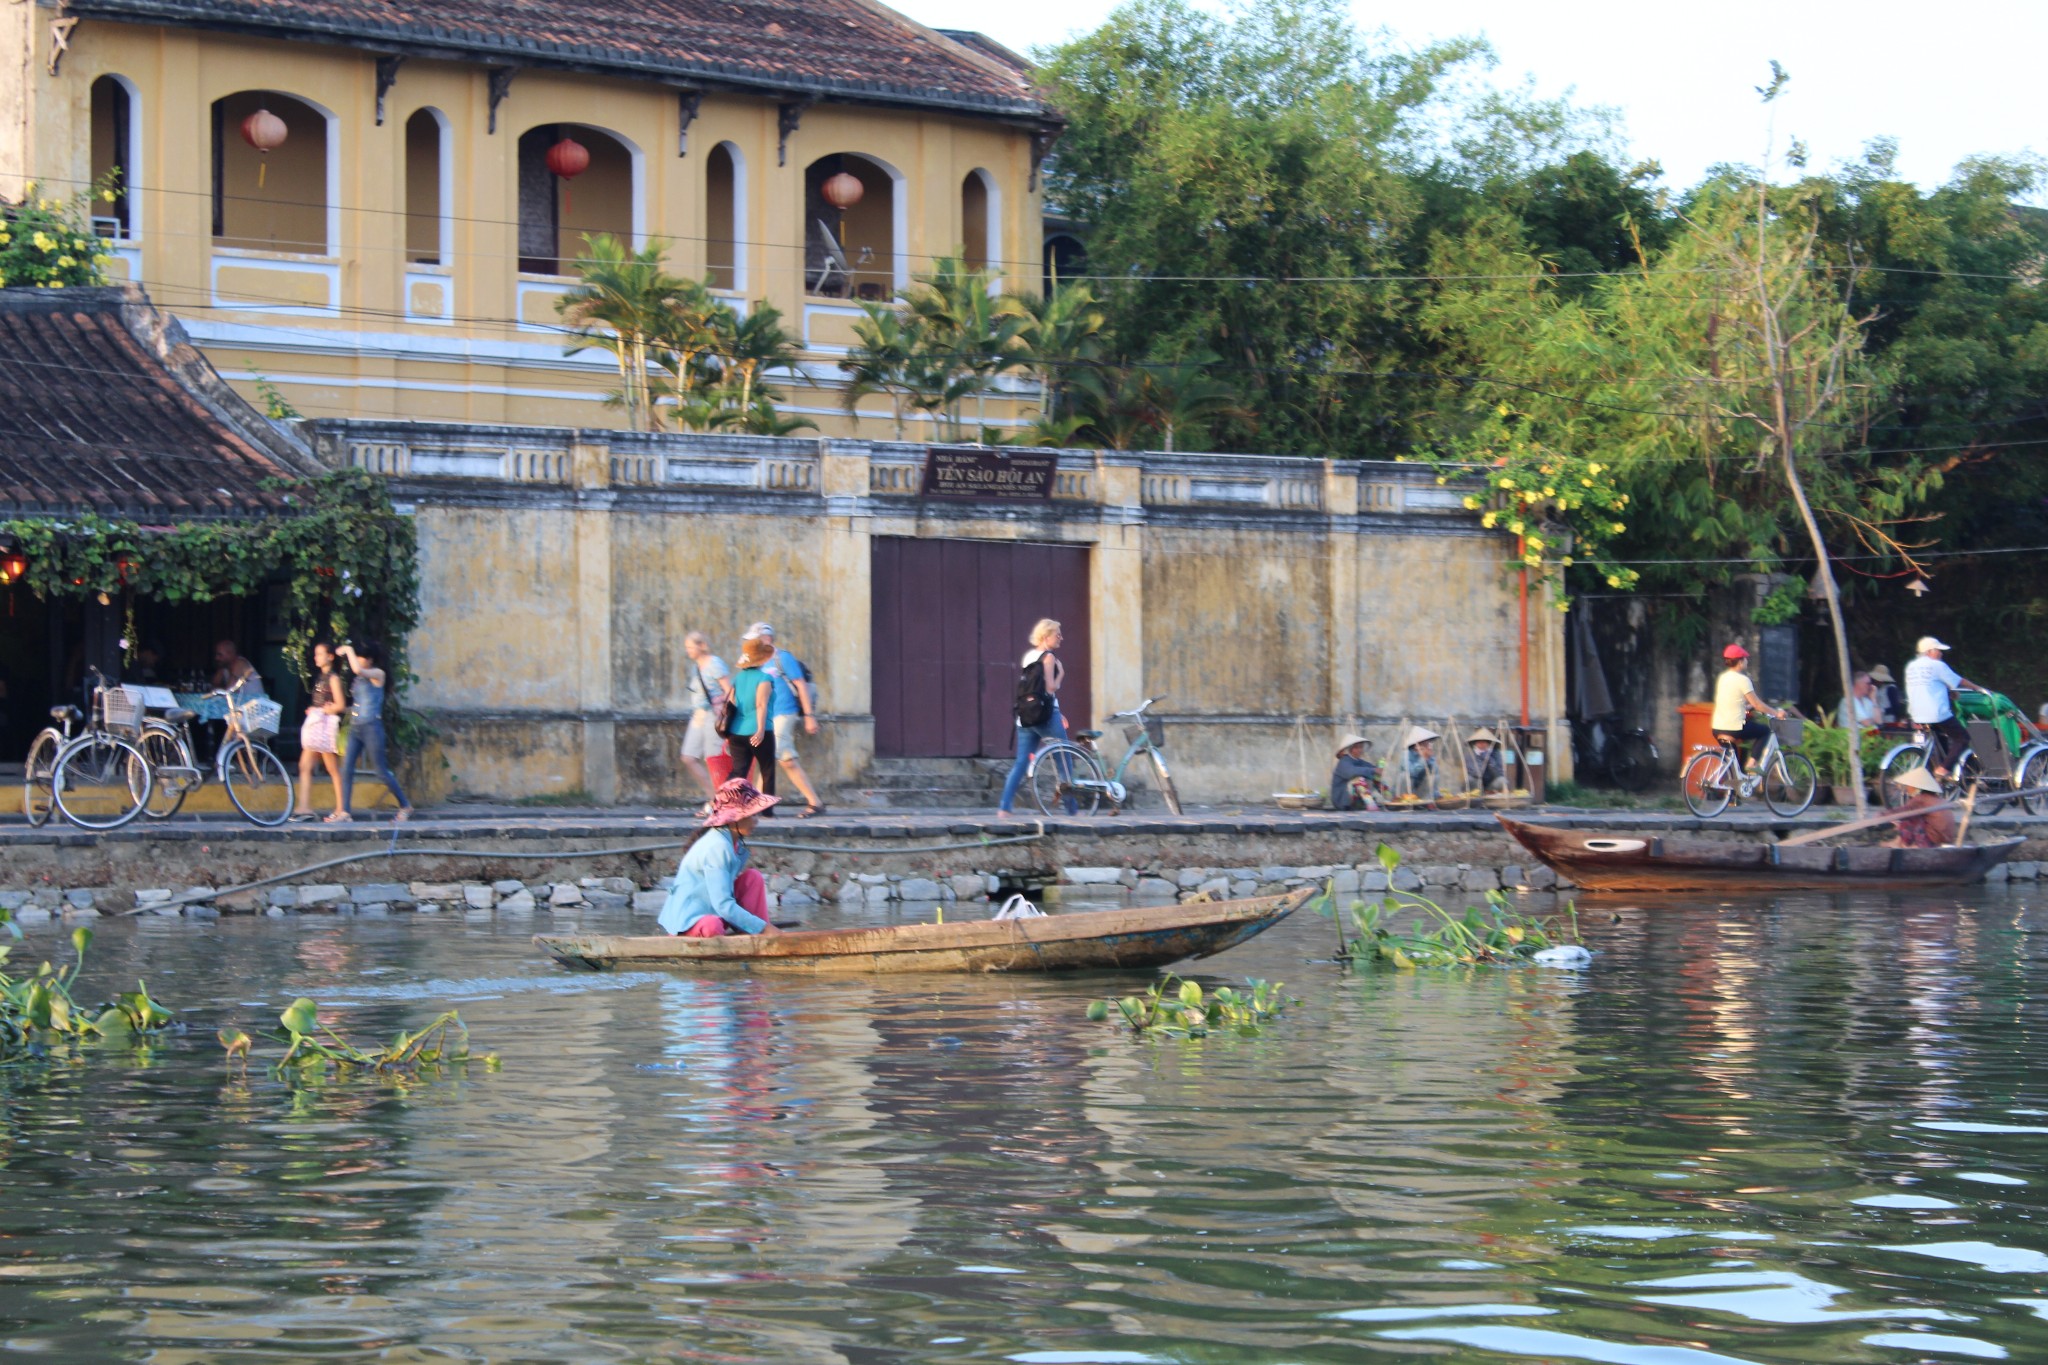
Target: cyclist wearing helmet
[[1734, 698]]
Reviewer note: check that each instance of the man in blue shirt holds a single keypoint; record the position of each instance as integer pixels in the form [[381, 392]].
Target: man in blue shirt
[[795, 701]]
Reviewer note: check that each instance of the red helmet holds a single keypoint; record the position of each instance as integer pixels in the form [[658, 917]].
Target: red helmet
[[1735, 652]]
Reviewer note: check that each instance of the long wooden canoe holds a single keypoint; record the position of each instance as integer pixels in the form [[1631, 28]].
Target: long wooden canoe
[[1641, 861], [1147, 936]]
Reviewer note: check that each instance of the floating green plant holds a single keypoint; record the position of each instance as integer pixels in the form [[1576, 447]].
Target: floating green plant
[[313, 1047], [38, 1011], [1493, 933], [1173, 1008]]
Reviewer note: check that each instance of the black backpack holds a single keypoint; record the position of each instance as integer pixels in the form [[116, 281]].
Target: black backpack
[[1034, 703]]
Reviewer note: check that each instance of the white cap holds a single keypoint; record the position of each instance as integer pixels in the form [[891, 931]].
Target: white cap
[[1928, 642], [760, 630]]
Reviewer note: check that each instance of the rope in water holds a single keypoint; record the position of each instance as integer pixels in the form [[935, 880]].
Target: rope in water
[[396, 852]]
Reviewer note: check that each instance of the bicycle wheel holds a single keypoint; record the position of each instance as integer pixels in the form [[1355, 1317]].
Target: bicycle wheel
[[1789, 784], [101, 782], [1632, 766], [1707, 791], [1167, 790], [36, 771], [2034, 773], [1896, 765], [163, 748], [258, 782], [1054, 771]]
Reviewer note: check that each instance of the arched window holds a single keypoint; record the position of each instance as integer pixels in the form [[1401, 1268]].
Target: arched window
[[724, 212], [855, 253], [978, 217], [113, 156], [276, 201], [1065, 257], [426, 189], [555, 214]]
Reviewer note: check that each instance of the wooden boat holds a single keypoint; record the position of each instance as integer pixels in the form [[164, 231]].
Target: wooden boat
[[1630, 861], [1146, 936]]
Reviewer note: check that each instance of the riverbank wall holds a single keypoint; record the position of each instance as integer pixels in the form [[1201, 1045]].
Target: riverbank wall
[[617, 860]]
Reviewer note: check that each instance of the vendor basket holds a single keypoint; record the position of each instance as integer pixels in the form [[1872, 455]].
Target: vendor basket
[[259, 718], [123, 710]]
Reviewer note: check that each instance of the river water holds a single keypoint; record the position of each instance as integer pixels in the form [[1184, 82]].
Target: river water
[[1793, 1130]]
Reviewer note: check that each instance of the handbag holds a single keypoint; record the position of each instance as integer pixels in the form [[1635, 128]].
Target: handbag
[[721, 706]]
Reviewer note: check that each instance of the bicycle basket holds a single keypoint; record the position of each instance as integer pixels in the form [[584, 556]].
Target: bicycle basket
[[1791, 732], [123, 710], [259, 718], [1153, 728]]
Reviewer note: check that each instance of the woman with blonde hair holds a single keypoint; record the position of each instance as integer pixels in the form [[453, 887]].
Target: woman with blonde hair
[[1037, 708]]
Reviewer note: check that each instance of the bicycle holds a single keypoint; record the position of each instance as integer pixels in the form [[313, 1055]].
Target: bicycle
[[1071, 769], [1627, 758], [94, 777], [1986, 762], [1714, 777], [256, 779]]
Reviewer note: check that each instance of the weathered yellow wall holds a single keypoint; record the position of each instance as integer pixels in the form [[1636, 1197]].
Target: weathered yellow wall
[[555, 604], [350, 349]]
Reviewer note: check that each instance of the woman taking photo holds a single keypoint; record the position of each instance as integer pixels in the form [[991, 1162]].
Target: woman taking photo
[[320, 730], [366, 730], [750, 739]]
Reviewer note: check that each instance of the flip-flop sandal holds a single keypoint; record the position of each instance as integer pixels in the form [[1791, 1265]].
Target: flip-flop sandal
[[808, 811]]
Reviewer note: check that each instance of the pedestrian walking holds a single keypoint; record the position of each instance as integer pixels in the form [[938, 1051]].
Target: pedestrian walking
[[320, 730], [704, 680], [1929, 686], [796, 704], [366, 729], [750, 738], [1037, 708]]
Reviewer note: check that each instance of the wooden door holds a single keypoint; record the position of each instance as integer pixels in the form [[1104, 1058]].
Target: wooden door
[[950, 623]]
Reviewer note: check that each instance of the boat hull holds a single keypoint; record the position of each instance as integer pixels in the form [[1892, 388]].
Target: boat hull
[[1145, 937], [1601, 860]]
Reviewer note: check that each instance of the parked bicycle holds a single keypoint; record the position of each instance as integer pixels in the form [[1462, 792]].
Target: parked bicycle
[[1785, 778], [1071, 770], [1601, 749], [2007, 754], [85, 766], [256, 779]]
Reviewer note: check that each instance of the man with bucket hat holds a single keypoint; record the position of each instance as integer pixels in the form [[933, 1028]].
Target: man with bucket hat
[[1930, 684], [715, 892], [1355, 781]]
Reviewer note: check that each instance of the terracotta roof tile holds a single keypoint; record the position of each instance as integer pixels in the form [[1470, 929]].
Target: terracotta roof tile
[[844, 48], [106, 408]]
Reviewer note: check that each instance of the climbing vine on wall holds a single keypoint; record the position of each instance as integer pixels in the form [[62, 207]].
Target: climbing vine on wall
[[349, 562]]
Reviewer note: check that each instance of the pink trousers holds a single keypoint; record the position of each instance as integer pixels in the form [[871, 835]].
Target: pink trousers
[[750, 889]]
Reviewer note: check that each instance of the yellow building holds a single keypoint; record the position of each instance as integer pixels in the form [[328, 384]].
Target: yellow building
[[398, 253]]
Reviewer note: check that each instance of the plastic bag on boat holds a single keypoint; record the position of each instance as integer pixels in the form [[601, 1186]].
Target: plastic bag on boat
[[1016, 907]]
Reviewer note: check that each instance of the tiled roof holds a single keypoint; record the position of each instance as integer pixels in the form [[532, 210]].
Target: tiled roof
[[845, 49], [106, 407]]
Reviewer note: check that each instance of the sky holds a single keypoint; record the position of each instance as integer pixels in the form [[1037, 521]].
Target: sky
[[1946, 82]]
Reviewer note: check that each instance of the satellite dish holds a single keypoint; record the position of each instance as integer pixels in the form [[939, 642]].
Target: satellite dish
[[835, 259]]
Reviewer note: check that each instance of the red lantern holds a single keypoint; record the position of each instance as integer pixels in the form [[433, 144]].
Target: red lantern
[[265, 132], [843, 191], [568, 158], [12, 566]]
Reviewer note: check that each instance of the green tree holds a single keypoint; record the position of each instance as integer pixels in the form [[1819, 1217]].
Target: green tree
[[49, 243], [1147, 404], [621, 305]]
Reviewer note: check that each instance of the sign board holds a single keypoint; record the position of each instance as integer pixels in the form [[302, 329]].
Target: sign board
[[976, 472]]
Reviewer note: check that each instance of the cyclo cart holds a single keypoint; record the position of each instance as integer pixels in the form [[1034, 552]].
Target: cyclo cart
[[2007, 753]]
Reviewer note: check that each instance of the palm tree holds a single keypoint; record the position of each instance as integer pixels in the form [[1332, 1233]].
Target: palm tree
[[1126, 406], [969, 337], [885, 342], [620, 306], [1062, 329], [686, 345], [751, 347]]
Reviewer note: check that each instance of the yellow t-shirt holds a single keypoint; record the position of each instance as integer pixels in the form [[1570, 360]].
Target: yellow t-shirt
[[1731, 699]]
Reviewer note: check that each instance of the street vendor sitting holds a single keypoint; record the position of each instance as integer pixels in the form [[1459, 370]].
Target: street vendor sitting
[[1421, 746], [716, 893], [1355, 781], [1931, 830], [1483, 766]]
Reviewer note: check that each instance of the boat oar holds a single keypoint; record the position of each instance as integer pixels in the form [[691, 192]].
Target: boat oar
[[1969, 809], [1873, 821]]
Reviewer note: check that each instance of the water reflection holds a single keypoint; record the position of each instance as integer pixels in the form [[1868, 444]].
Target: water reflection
[[1781, 1131]]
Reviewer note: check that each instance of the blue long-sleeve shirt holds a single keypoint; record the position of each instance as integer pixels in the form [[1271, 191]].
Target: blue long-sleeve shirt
[[703, 886]]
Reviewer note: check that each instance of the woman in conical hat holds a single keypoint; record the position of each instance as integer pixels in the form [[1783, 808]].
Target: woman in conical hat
[[716, 893], [1931, 830], [1483, 767], [1421, 746]]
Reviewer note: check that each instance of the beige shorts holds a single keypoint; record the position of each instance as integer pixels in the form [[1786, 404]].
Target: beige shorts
[[786, 731], [701, 739]]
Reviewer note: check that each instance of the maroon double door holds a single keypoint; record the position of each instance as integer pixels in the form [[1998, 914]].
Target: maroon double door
[[952, 619]]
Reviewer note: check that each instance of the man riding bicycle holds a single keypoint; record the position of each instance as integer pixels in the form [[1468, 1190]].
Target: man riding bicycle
[[1734, 698], [1930, 685]]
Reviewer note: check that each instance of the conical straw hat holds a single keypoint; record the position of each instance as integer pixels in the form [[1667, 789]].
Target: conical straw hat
[[1416, 734], [1482, 733], [1920, 780]]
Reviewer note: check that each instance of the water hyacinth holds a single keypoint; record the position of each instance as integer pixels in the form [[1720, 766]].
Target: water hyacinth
[[1493, 934], [38, 1012], [1173, 1008]]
